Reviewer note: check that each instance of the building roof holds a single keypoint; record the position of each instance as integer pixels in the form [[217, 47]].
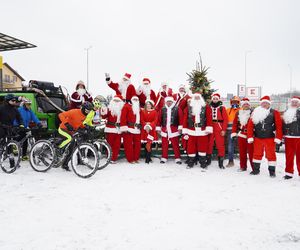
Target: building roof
[[11, 43], [15, 72]]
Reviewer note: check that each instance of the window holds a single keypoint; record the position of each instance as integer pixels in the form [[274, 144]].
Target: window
[[6, 79], [14, 79]]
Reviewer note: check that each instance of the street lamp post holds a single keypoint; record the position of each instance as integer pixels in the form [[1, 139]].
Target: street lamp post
[[246, 53], [87, 66], [291, 79]]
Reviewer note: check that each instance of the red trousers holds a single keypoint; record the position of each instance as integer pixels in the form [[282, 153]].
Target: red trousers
[[132, 146], [165, 146], [220, 140], [114, 140], [245, 149], [292, 148], [197, 144], [266, 145]]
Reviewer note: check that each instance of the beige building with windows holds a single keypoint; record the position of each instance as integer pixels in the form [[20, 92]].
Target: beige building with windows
[[11, 78]]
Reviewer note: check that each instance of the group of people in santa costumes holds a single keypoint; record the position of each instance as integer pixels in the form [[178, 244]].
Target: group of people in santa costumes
[[139, 115]]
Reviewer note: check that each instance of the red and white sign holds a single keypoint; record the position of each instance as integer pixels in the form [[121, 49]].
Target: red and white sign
[[241, 90], [253, 93]]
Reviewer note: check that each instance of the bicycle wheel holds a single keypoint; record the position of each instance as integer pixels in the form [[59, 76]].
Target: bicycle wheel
[[42, 156], [84, 160], [10, 157], [104, 152]]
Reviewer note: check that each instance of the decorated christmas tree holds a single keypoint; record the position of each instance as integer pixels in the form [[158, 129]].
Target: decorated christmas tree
[[199, 82]]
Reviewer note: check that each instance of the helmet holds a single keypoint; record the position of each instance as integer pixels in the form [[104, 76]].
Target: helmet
[[10, 97], [235, 99], [97, 104], [86, 107]]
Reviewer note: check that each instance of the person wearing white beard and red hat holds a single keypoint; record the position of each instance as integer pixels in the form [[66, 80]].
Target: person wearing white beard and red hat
[[130, 127], [144, 92], [239, 129], [181, 97], [80, 96], [162, 94], [149, 120], [112, 129], [123, 87], [169, 126], [197, 124], [291, 130], [220, 123], [264, 130]]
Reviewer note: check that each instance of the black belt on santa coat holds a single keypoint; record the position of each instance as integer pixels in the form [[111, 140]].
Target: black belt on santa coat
[[136, 125], [217, 120], [114, 124]]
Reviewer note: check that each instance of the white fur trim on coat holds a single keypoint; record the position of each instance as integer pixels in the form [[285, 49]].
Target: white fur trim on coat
[[250, 140]]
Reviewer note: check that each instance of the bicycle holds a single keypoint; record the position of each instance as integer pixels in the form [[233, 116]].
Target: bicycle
[[46, 154], [10, 150], [96, 137]]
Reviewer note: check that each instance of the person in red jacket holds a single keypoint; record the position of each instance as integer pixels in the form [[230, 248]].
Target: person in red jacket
[[149, 120], [264, 130], [145, 92], [162, 94], [181, 97], [291, 129], [220, 122], [239, 129], [80, 96], [123, 87], [197, 124], [169, 126], [130, 127], [112, 129]]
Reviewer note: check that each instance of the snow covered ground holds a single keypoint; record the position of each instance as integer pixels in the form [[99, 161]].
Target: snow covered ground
[[149, 207]]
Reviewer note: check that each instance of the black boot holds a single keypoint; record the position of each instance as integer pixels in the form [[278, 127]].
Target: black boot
[[256, 168], [208, 160], [187, 160], [272, 171], [202, 161], [150, 160], [287, 177], [191, 162], [147, 157], [221, 160]]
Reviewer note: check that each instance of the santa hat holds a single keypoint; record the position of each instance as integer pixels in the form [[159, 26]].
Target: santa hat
[[80, 83], [150, 101], [146, 80], [265, 98], [182, 86], [216, 95], [245, 100], [169, 99], [295, 98], [118, 97], [127, 76]]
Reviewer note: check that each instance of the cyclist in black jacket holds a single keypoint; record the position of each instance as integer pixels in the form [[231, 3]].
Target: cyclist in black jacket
[[8, 113]]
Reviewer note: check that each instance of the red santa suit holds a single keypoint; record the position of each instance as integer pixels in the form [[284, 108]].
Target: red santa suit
[[149, 119], [181, 98], [123, 88], [239, 129], [220, 123], [162, 94], [264, 130], [112, 129], [131, 130], [291, 129], [145, 92], [79, 96], [197, 124], [170, 125]]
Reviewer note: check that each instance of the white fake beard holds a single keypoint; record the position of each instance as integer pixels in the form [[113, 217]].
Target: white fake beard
[[244, 116], [146, 89], [289, 115], [197, 105], [123, 86], [136, 107], [116, 108], [259, 114], [181, 94], [81, 92]]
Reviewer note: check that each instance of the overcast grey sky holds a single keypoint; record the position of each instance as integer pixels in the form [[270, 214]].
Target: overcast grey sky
[[156, 39]]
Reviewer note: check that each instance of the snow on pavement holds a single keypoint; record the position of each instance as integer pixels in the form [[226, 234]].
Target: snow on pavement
[[149, 207]]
